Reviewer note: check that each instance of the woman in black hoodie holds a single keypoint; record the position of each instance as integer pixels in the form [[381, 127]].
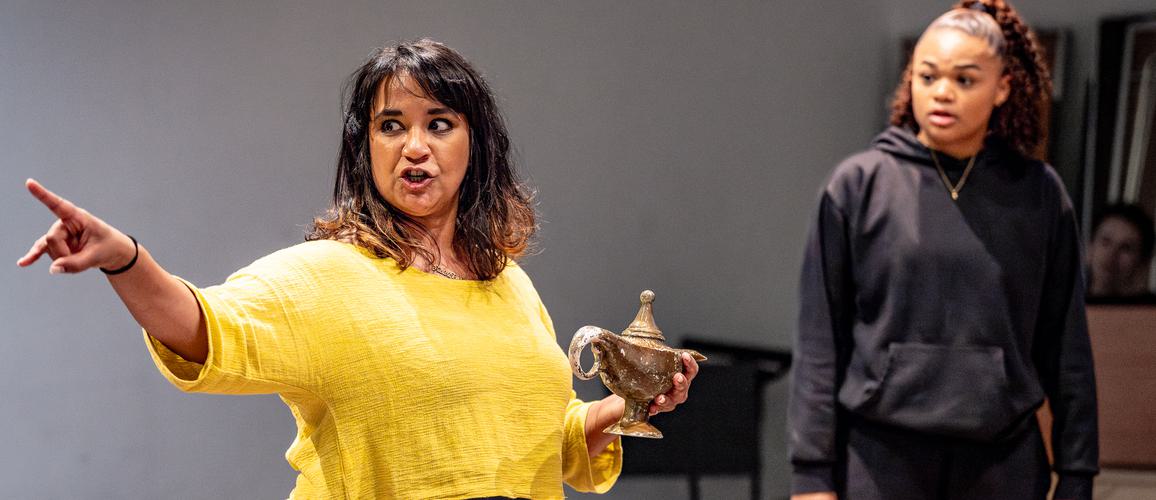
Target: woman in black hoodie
[[942, 295]]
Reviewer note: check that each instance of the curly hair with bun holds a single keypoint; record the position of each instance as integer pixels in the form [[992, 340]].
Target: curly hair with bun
[[1020, 121]]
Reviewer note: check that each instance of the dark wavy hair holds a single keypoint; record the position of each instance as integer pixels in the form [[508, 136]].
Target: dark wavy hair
[[495, 219], [1020, 121]]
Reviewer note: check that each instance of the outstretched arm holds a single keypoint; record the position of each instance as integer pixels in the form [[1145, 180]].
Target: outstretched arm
[[159, 302]]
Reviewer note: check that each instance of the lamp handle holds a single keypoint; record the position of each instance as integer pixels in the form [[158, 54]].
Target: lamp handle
[[581, 339]]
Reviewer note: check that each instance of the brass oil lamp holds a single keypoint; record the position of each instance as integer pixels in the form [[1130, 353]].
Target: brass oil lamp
[[636, 365]]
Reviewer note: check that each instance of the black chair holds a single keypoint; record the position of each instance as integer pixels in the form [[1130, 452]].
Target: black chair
[[716, 432]]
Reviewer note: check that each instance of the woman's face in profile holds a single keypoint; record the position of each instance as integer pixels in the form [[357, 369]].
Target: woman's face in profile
[[956, 83], [419, 149]]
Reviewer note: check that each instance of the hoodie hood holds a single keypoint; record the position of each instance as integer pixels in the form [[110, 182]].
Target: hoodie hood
[[902, 143]]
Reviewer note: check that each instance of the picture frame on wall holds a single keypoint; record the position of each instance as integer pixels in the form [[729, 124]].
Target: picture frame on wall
[[1132, 168], [1120, 159]]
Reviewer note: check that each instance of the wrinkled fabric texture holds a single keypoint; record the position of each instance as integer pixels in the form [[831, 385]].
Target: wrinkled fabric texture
[[948, 318], [403, 384], [940, 468]]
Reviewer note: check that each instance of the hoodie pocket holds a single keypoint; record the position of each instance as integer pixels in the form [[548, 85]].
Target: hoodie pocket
[[959, 391]]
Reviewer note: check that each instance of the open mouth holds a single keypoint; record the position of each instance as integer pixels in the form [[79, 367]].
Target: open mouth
[[941, 118], [415, 176]]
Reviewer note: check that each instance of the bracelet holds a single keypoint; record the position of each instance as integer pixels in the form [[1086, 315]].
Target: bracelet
[[135, 254]]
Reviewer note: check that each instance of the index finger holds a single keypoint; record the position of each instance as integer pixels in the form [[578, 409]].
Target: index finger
[[60, 207], [690, 366]]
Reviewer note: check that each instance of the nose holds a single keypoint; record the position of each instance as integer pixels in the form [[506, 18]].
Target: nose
[[415, 149], [941, 90]]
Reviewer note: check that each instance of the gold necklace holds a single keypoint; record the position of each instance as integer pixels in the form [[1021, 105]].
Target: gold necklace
[[439, 270], [947, 182]]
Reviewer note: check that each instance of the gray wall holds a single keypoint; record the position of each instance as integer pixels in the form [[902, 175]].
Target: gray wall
[[674, 146]]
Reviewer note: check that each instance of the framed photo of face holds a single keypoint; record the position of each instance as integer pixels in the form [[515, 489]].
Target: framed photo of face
[[1121, 163], [1120, 159]]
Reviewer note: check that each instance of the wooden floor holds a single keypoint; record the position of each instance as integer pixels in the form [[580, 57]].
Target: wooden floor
[[1118, 484]]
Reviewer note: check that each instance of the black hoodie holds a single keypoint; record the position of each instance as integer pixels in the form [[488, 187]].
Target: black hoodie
[[952, 318]]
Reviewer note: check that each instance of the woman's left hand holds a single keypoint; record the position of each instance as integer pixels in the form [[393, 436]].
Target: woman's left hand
[[609, 410], [677, 394]]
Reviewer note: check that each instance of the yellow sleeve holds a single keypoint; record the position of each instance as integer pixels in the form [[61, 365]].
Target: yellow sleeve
[[579, 470], [253, 348]]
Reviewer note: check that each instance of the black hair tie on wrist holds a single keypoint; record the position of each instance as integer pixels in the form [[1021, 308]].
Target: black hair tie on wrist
[[135, 254]]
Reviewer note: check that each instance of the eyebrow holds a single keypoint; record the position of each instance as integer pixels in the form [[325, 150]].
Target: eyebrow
[[957, 66], [397, 112]]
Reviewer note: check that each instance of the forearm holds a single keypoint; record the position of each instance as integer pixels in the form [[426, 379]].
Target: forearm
[[826, 312], [601, 415], [1064, 359], [163, 306]]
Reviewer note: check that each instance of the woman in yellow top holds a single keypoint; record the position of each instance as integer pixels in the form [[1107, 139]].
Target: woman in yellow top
[[382, 331]]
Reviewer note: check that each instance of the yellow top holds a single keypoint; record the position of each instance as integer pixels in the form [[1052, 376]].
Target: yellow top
[[403, 384]]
